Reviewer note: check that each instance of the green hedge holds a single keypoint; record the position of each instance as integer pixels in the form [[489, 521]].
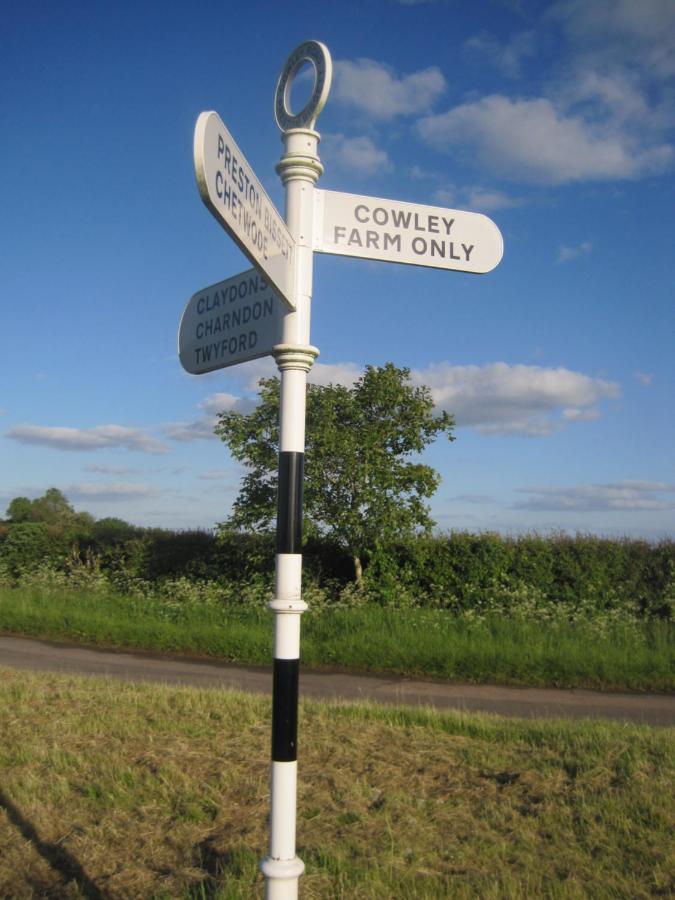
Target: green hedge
[[458, 570]]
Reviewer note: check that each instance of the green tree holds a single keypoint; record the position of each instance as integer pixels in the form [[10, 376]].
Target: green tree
[[53, 510], [363, 486], [20, 510]]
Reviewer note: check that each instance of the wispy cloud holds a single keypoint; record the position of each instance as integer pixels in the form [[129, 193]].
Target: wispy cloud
[[507, 57], [187, 432], [567, 253], [605, 113], [496, 398], [617, 496], [218, 402], [109, 470], [345, 373], [120, 490], [535, 140], [482, 199], [97, 438], [357, 155], [620, 33], [215, 475], [374, 88], [202, 428], [581, 415], [644, 378], [514, 399]]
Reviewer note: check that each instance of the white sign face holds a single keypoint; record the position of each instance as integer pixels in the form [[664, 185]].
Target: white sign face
[[229, 323], [230, 189], [394, 231]]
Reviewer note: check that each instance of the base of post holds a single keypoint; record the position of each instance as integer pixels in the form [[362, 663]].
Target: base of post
[[282, 877]]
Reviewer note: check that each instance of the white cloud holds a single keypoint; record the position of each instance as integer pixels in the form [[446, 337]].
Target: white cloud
[[495, 399], [613, 497], [613, 96], [201, 429], [474, 198], [420, 174], [345, 373], [472, 498], [356, 155], [110, 491], [447, 195], [501, 399], [186, 432], [109, 470], [375, 89], [566, 253], [480, 199], [252, 372], [535, 140], [97, 438], [621, 32], [219, 402], [606, 111], [506, 57], [644, 378], [215, 475], [581, 415]]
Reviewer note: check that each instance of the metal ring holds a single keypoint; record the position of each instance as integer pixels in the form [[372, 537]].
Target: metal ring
[[317, 54]]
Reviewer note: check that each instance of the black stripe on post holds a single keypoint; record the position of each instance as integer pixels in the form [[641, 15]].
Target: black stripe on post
[[289, 509], [285, 710]]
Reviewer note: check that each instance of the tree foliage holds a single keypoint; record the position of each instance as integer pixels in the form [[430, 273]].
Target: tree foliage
[[364, 486], [53, 510]]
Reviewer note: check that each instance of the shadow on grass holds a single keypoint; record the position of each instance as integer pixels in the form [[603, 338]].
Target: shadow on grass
[[56, 855], [229, 873]]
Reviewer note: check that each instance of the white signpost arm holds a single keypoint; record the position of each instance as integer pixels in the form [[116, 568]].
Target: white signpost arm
[[299, 170]]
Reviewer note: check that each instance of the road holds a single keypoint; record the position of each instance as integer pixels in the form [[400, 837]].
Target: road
[[50, 656]]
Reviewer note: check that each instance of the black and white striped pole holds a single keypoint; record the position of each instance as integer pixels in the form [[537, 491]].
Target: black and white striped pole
[[299, 169]]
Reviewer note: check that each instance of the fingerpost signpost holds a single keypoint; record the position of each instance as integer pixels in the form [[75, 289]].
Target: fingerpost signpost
[[266, 311]]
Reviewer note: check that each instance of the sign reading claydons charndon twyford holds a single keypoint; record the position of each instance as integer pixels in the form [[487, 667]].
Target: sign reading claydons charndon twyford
[[230, 189], [229, 323], [394, 231]]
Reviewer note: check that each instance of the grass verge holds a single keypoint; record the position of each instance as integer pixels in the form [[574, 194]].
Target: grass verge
[[414, 642], [117, 790]]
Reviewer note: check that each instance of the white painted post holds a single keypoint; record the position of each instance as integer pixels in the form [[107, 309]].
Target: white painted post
[[299, 170]]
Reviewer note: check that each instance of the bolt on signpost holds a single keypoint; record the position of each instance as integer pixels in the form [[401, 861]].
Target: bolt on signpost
[[266, 311]]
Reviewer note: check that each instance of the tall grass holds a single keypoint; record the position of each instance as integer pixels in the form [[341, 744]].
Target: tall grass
[[590, 650]]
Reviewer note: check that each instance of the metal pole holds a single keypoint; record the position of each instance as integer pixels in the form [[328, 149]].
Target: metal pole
[[299, 170]]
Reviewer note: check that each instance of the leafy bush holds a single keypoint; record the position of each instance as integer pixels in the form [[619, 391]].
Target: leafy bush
[[474, 574]]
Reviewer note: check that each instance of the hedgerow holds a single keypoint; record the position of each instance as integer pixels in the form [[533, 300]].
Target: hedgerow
[[458, 571]]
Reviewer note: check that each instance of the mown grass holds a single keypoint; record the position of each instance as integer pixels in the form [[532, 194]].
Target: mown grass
[[122, 791], [432, 643]]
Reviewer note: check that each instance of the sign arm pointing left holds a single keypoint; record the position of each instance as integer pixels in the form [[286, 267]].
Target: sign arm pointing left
[[232, 192]]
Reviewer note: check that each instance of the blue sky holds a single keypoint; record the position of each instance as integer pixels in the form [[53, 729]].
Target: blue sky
[[555, 119]]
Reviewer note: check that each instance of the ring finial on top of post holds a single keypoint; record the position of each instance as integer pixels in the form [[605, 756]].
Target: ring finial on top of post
[[318, 55]]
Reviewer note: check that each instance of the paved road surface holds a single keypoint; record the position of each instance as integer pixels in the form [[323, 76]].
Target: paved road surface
[[36, 655]]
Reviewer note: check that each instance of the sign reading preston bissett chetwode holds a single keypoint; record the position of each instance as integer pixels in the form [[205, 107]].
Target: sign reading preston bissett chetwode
[[395, 231], [232, 192], [229, 323]]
